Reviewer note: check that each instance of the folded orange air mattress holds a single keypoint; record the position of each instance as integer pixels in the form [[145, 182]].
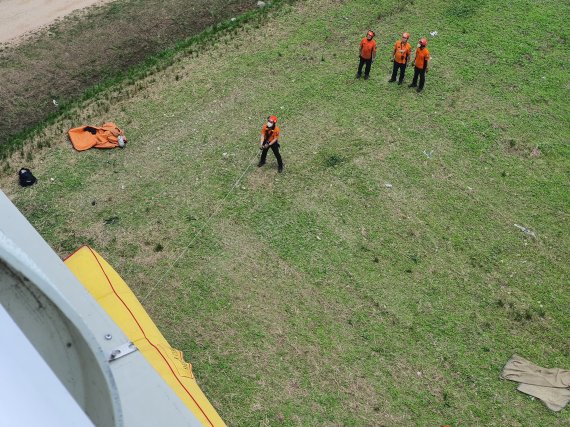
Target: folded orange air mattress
[[106, 136]]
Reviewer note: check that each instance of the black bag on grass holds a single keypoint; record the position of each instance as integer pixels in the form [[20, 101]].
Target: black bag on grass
[[26, 177]]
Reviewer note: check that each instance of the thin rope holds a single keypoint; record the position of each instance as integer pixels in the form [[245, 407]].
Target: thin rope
[[183, 252]]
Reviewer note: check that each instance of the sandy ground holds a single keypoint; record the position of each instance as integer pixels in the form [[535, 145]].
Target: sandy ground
[[19, 17]]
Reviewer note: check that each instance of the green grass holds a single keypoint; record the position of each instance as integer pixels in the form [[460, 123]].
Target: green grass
[[321, 296]]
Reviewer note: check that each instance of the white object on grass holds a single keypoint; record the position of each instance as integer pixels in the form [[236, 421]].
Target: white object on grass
[[525, 230]]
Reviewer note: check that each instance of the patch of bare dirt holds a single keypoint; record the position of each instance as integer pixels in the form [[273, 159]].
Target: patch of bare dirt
[[20, 19]]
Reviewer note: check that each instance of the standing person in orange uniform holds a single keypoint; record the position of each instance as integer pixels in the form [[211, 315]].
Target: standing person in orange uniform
[[400, 56], [367, 54], [421, 65], [270, 139]]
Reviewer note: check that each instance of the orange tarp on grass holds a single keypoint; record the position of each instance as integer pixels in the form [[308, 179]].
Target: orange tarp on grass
[[86, 137]]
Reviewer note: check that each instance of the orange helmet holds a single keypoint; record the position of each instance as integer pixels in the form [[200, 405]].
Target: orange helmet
[[406, 35], [272, 119], [423, 41]]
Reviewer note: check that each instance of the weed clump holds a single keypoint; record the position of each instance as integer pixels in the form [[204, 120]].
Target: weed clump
[[111, 220], [333, 160]]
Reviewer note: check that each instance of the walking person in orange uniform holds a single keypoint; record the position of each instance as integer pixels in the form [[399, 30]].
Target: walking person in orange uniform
[[400, 56], [270, 139], [420, 65], [367, 55]]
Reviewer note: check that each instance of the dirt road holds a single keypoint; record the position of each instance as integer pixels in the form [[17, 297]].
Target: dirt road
[[18, 17]]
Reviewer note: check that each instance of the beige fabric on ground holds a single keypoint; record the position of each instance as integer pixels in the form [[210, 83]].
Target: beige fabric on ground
[[522, 371], [552, 386], [554, 398]]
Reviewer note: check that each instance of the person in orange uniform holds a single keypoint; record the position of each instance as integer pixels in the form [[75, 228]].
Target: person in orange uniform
[[420, 65], [400, 56], [367, 55], [270, 139]]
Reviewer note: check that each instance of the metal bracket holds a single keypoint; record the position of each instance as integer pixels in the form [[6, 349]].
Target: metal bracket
[[122, 350]]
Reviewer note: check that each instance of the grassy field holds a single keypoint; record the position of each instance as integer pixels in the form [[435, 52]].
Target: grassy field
[[322, 296]]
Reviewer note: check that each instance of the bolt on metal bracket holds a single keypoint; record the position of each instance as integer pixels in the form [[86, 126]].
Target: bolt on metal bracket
[[122, 350]]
